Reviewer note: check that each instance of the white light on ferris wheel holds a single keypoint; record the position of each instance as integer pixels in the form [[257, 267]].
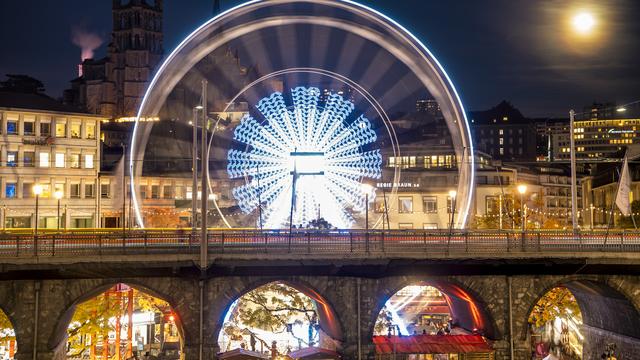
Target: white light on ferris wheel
[[318, 150]]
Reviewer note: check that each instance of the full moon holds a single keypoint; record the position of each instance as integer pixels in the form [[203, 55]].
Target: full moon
[[583, 22]]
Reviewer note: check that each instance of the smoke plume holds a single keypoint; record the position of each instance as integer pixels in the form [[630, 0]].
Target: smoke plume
[[85, 40]]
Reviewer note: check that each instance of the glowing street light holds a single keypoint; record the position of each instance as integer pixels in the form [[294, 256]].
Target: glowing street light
[[37, 191], [58, 195], [621, 109], [522, 189], [583, 22]]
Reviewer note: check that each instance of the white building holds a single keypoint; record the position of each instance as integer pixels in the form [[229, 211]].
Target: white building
[[56, 147]]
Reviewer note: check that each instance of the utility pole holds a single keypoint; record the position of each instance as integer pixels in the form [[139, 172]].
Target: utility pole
[[194, 166], [205, 179], [574, 188]]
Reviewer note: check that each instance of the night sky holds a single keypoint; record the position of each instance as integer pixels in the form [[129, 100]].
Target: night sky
[[520, 50]]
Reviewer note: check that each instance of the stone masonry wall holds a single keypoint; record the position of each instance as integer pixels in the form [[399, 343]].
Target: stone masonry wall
[[491, 293]]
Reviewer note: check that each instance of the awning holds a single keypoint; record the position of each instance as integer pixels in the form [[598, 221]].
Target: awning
[[432, 344], [242, 354], [315, 353]]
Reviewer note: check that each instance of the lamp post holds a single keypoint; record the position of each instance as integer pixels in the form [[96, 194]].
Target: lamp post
[[37, 191], [522, 189], [452, 195], [194, 167], [366, 189], [58, 195]]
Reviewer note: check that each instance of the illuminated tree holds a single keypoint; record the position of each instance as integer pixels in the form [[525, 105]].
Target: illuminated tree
[[536, 214], [558, 302], [275, 308], [96, 317]]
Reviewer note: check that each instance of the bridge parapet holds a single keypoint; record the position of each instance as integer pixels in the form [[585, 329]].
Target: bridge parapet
[[305, 245]]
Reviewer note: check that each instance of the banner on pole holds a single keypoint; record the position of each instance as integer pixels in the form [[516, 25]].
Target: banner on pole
[[622, 198]]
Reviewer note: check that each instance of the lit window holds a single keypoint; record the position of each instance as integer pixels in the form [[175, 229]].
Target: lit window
[[59, 160], [10, 191], [46, 190], [405, 226], [501, 151], [91, 131], [12, 127], [501, 141], [61, 129], [44, 160], [12, 158], [74, 161], [429, 204], [380, 203], [75, 130], [88, 161], [405, 204], [501, 132]]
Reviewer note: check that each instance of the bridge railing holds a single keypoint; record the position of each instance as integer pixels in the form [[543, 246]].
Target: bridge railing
[[316, 242]]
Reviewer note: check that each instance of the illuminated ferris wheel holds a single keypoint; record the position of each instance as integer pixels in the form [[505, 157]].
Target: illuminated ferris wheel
[[322, 108]]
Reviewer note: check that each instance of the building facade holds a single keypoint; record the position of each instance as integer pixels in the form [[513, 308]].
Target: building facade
[[58, 150], [504, 133], [596, 139]]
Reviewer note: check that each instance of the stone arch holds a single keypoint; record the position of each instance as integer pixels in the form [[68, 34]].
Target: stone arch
[[581, 287], [238, 287], [84, 290], [466, 305], [608, 309]]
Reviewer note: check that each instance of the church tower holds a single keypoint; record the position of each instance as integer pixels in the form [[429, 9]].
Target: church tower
[[135, 51]]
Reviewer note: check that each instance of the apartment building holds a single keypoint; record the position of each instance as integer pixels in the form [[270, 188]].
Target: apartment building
[[52, 147]]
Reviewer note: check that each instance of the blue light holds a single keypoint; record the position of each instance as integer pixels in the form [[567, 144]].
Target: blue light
[[314, 149]]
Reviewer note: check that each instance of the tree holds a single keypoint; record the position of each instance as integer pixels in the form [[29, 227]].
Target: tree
[[626, 222], [22, 84], [536, 215], [96, 317], [6, 328], [383, 321], [274, 307], [557, 302]]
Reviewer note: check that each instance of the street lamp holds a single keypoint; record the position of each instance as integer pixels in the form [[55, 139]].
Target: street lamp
[[58, 195], [522, 189], [452, 195], [37, 191], [366, 189]]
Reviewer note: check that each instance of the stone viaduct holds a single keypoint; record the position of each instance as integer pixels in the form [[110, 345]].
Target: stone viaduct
[[39, 295]]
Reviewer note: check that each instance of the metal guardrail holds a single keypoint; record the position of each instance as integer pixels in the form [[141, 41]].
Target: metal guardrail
[[408, 243]]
